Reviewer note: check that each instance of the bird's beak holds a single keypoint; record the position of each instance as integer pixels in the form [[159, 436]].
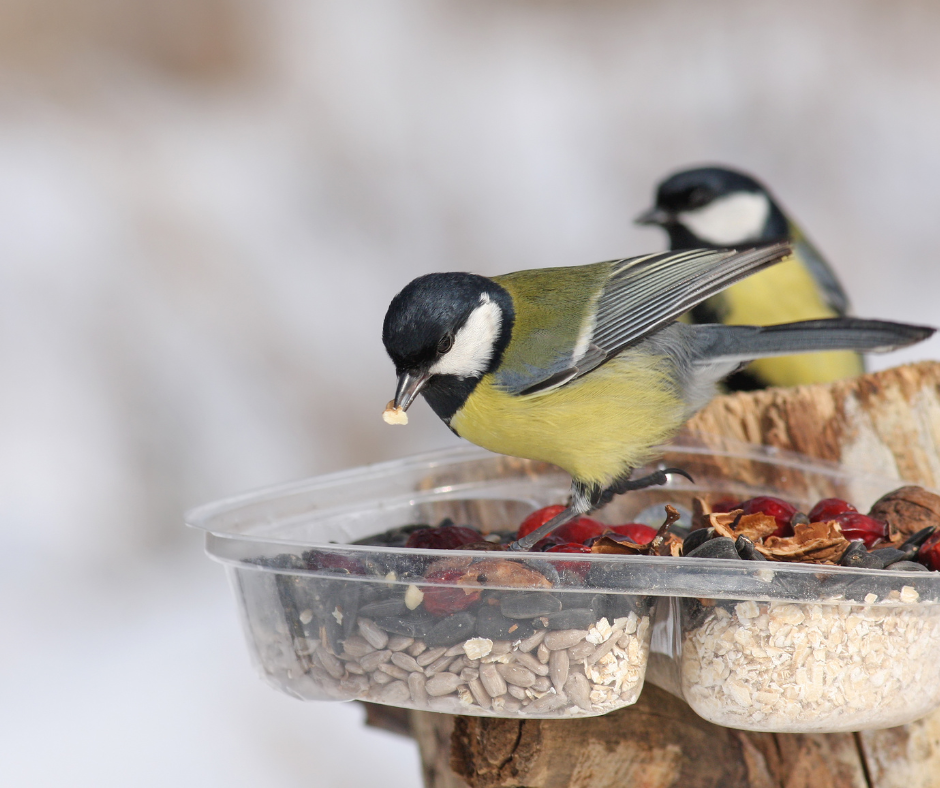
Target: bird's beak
[[654, 215], [409, 385]]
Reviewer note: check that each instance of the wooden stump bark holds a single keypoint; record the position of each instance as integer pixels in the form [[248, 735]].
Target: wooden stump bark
[[886, 423]]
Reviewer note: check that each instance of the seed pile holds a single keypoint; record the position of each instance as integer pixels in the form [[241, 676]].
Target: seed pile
[[551, 673], [784, 666]]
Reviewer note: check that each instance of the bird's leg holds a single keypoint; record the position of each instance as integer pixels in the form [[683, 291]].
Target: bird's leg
[[582, 502], [528, 541]]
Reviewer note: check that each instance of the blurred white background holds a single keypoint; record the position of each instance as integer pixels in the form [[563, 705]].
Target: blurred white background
[[205, 207]]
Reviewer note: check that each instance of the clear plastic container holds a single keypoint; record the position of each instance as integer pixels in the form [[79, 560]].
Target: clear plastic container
[[553, 635]]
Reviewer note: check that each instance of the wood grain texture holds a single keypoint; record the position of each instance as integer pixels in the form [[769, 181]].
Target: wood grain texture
[[886, 423]]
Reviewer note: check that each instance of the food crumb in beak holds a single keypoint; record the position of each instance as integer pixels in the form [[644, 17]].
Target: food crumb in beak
[[393, 415]]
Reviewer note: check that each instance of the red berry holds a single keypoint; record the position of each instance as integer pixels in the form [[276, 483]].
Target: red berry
[[780, 510], [636, 532], [537, 519], [860, 526], [725, 505], [580, 568], [569, 547], [579, 530], [439, 600], [828, 508], [448, 537], [929, 552]]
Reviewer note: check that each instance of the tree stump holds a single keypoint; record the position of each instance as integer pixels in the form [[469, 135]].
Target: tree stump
[[886, 423]]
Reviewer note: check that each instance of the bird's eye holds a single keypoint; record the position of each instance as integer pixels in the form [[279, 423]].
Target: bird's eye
[[698, 197], [445, 343]]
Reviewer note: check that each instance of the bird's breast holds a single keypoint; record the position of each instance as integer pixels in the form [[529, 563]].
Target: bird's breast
[[597, 427]]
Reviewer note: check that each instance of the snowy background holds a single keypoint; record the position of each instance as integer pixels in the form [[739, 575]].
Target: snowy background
[[205, 207]]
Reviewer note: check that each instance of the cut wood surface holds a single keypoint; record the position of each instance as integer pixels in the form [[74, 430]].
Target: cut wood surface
[[886, 423]]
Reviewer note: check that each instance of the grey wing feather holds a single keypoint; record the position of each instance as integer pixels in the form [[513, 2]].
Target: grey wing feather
[[647, 293], [643, 294], [824, 276]]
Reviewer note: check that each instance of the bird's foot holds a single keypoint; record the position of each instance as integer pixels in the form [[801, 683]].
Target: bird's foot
[[652, 480]]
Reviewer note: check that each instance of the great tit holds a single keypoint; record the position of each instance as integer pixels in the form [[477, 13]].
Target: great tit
[[715, 207], [587, 367]]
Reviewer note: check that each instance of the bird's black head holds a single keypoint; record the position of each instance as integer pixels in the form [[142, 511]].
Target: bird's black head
[[717, 207], [444, 332]]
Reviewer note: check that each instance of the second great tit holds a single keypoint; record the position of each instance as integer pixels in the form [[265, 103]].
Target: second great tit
[[716, 207], [586, 367]]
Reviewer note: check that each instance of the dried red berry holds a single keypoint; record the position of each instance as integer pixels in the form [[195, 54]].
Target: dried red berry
[[579, 530], [580, 568], [447, 537], [439, 600], [569, 547], [860, 526], [929, 552], [636, 532], [828, 508], [537, 519], [780, 510]]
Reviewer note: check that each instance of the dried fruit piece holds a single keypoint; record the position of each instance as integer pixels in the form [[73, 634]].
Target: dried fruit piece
[[636, 532], [814, 543], [569, 547], [856, 525], [701, 508], [929, 553], [777, 508], [580, 568], [579, 531], [443, 599], [503, 573], [614, 544], [537, 519], [447, 537], [734, 524], [828, 508]]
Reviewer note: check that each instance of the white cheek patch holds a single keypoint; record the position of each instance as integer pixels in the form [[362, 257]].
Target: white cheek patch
[[473, 343], [729, 221]]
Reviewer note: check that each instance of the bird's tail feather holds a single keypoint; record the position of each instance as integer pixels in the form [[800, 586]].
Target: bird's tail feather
[[744, 343]]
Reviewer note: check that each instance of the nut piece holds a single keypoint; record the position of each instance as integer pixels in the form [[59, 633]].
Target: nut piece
[[393, 415], [906, 511], [414, 596], [476, 648]]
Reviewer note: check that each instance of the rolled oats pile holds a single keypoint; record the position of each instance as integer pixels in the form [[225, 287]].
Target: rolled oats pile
[[814, 667]]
